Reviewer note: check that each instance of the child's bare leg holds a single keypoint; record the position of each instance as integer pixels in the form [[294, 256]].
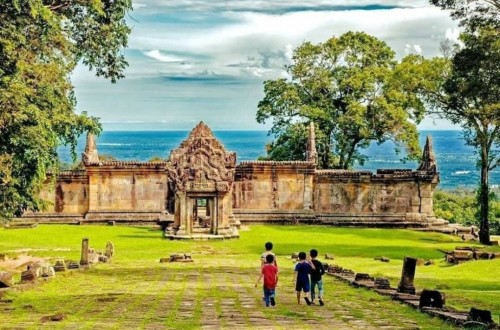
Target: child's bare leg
[[298, 297]]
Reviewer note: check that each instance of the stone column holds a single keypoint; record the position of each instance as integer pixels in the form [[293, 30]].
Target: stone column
[[207, 205], [84, 261], [211, 207], [408, 276]]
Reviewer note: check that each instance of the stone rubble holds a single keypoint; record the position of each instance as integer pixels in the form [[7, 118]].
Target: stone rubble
[[429, 301]]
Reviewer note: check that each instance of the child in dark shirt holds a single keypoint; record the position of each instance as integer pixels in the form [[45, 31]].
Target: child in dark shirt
[[269, 272], [301, 278], [316, 277]]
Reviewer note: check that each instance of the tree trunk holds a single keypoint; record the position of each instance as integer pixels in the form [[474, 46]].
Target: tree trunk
[[484, 195]]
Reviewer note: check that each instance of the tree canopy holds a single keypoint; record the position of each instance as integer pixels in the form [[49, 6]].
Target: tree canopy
[[355, 91], [41, 42], [472, 14]]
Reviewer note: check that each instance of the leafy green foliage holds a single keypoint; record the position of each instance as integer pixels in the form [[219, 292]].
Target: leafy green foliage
[[460, 206], [470, 97], [472, 13], [456, 207], [355, 92], [41, 41]]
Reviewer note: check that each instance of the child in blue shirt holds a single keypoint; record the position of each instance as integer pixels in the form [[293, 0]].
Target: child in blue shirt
[[301, 279]]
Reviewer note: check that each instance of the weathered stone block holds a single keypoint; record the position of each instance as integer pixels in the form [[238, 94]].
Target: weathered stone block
[[426, 206], [382, 283], [60, 266], [334, 269], [6, 279], [426, 191], [415, 201], [28, 276], [431, 298], [362, 277], [45, 270], [73, 265], [480, 315], [462, 255]]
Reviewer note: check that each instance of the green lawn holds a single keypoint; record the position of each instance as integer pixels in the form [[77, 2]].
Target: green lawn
[[136, 291]]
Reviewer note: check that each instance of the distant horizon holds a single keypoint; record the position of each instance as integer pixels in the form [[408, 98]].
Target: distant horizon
[[242, 130]]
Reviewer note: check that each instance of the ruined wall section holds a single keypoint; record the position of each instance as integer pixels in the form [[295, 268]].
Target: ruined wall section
[[273, 185], [125, 190], [273, 191], [66, 199], [69, 194], [402, 195]]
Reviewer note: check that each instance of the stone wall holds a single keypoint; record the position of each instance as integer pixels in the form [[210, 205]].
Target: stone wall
[[127, 188], [295, 192], [273, 186], [69, 194], [388, 191], [262, 191]]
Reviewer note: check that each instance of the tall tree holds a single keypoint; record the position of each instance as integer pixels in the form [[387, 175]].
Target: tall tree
[[471, 98], [471, 92], [355, 92], [41, 42]]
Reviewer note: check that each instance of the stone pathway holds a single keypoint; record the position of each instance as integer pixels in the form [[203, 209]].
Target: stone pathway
[[207, 294]]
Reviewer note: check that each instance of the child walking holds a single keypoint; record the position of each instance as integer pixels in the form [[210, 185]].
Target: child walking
[[269, 250], [316, 277], [269, 272], [301, 278]]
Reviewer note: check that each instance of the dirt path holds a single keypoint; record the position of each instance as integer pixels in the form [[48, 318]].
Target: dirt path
[[208, 294]]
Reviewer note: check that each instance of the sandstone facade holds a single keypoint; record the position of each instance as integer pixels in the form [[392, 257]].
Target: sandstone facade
[[202, 190]]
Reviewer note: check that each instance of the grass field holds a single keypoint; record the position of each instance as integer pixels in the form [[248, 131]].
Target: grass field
[[217, 290]]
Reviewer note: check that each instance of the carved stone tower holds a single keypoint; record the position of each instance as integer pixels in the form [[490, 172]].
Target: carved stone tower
[[90, 155], [311, 153], [201, 176], [428, 162]]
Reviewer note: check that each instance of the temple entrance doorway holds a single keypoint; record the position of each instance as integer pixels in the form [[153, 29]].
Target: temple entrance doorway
[[202, 215], [200, 179]]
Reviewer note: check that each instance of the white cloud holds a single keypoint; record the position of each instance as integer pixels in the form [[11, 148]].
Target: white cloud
[[452, 34], [177, 46], [157, 55]]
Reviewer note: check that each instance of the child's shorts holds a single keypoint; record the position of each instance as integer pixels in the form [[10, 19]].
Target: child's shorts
[[302, 286]]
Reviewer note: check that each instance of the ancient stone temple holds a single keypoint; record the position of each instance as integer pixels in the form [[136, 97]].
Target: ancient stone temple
[[202, 192], [200, 183]]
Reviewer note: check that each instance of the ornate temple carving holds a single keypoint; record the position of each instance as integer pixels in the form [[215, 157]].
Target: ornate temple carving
[[201, 163], [428, 162], [90, 155], [311, 153]]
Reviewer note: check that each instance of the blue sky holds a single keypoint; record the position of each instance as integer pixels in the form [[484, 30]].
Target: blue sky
[[193, 60]]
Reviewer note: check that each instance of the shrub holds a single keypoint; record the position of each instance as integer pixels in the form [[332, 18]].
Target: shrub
[[460, 206]]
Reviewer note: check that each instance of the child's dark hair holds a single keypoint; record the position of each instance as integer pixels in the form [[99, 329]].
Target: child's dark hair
[[313, 253], [302, 256], [269, 246], [269, 258]]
